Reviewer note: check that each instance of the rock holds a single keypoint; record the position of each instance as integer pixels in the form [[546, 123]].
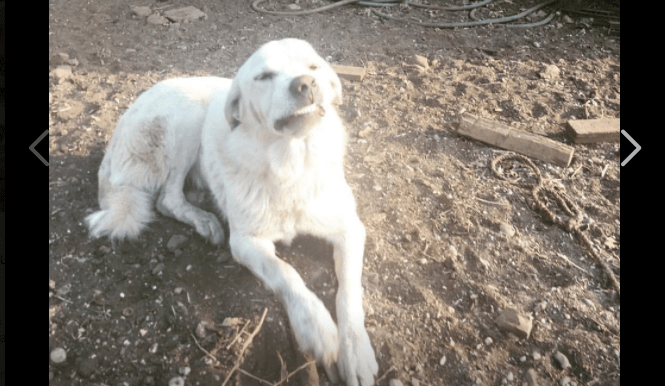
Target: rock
[[88, 366], [200, 330], [185, 15], [565, 381], [488, 341], [395, 382], [536, 44], [551, 72], [185, 370], [567, 19], [422, 261], [141, 11], [536, 355], [442, 361], [510, 377], [507, 229], [157, 20], [562, 360], [293, 7], [158, 269], [61, 73], [58, 355], [177, 381], [512, 321], [175, 242], [58, 59], [415, 382], [420, 61], [531, 377], [224, 257]]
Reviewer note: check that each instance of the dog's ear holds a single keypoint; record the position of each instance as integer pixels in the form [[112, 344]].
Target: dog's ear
[[232, 106]]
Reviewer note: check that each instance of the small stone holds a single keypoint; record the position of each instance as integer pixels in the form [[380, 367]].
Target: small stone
[[224, 257], [157, 20], [415, 382], [531, 377], [536, 44], [58, 355], [512, 321], [185, 370], [420, 61], [551, 72], [177, 381], [442, 361], [395, 382], [87, 367], [59, 59], [141, 11], [510, 376], [130, 51], [175, 242], [536, 355], [565, 381], [567, 19], [185, 14], [177, 290], [523, 358], [61, 73], [200, 330], [158, 269], [293, 7], [488, 341], [507, 229], [562, 360], [451, 252], [51, 284], [422, 261]]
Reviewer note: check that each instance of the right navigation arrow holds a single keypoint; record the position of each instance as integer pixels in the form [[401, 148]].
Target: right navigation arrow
[[637, 148]]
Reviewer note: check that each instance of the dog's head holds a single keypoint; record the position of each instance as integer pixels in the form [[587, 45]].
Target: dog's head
[[285, 86]]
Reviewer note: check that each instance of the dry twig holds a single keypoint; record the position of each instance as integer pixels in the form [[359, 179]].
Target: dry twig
[[244, 347]]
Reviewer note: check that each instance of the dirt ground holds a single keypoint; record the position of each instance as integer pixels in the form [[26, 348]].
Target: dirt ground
[[450, 247]]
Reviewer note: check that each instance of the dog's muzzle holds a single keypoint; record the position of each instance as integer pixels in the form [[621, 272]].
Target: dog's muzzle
[[307, 94]]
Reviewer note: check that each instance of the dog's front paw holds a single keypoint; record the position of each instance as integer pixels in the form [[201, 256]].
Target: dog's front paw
[[314, 329], [210, 228], [356, 362]]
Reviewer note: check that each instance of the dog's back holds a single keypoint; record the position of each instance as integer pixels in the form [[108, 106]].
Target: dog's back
[[161, 129]]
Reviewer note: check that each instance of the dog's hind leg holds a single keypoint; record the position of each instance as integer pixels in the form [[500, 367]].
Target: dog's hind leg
[[172, 203]]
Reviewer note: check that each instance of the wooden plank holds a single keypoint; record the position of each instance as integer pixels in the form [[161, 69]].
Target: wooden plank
[[349, 72], [594, 130], [528, 144]]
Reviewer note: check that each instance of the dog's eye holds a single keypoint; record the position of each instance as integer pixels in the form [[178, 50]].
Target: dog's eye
[[313, 67], [265, 76]]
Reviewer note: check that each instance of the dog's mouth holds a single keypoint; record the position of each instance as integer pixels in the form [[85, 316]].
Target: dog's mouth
[[301, 117]]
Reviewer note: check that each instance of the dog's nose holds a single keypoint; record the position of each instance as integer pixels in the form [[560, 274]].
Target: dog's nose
[[304, 86]]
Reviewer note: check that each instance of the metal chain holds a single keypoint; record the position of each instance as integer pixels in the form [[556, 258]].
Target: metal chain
[[540, 190]]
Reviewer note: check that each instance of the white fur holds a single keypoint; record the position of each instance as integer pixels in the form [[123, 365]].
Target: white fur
[[270, 183]]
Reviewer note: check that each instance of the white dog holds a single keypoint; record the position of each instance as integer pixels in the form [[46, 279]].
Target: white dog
[[270, 147]]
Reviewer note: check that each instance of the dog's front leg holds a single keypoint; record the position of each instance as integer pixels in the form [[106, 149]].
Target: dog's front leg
[[311, 322], [356, 362]]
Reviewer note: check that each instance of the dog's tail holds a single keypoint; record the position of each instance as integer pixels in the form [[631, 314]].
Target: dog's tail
[[125, 211]]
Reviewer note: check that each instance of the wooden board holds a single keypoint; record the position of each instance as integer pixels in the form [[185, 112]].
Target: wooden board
[[594, 130], [349, 72], [528, 144]]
